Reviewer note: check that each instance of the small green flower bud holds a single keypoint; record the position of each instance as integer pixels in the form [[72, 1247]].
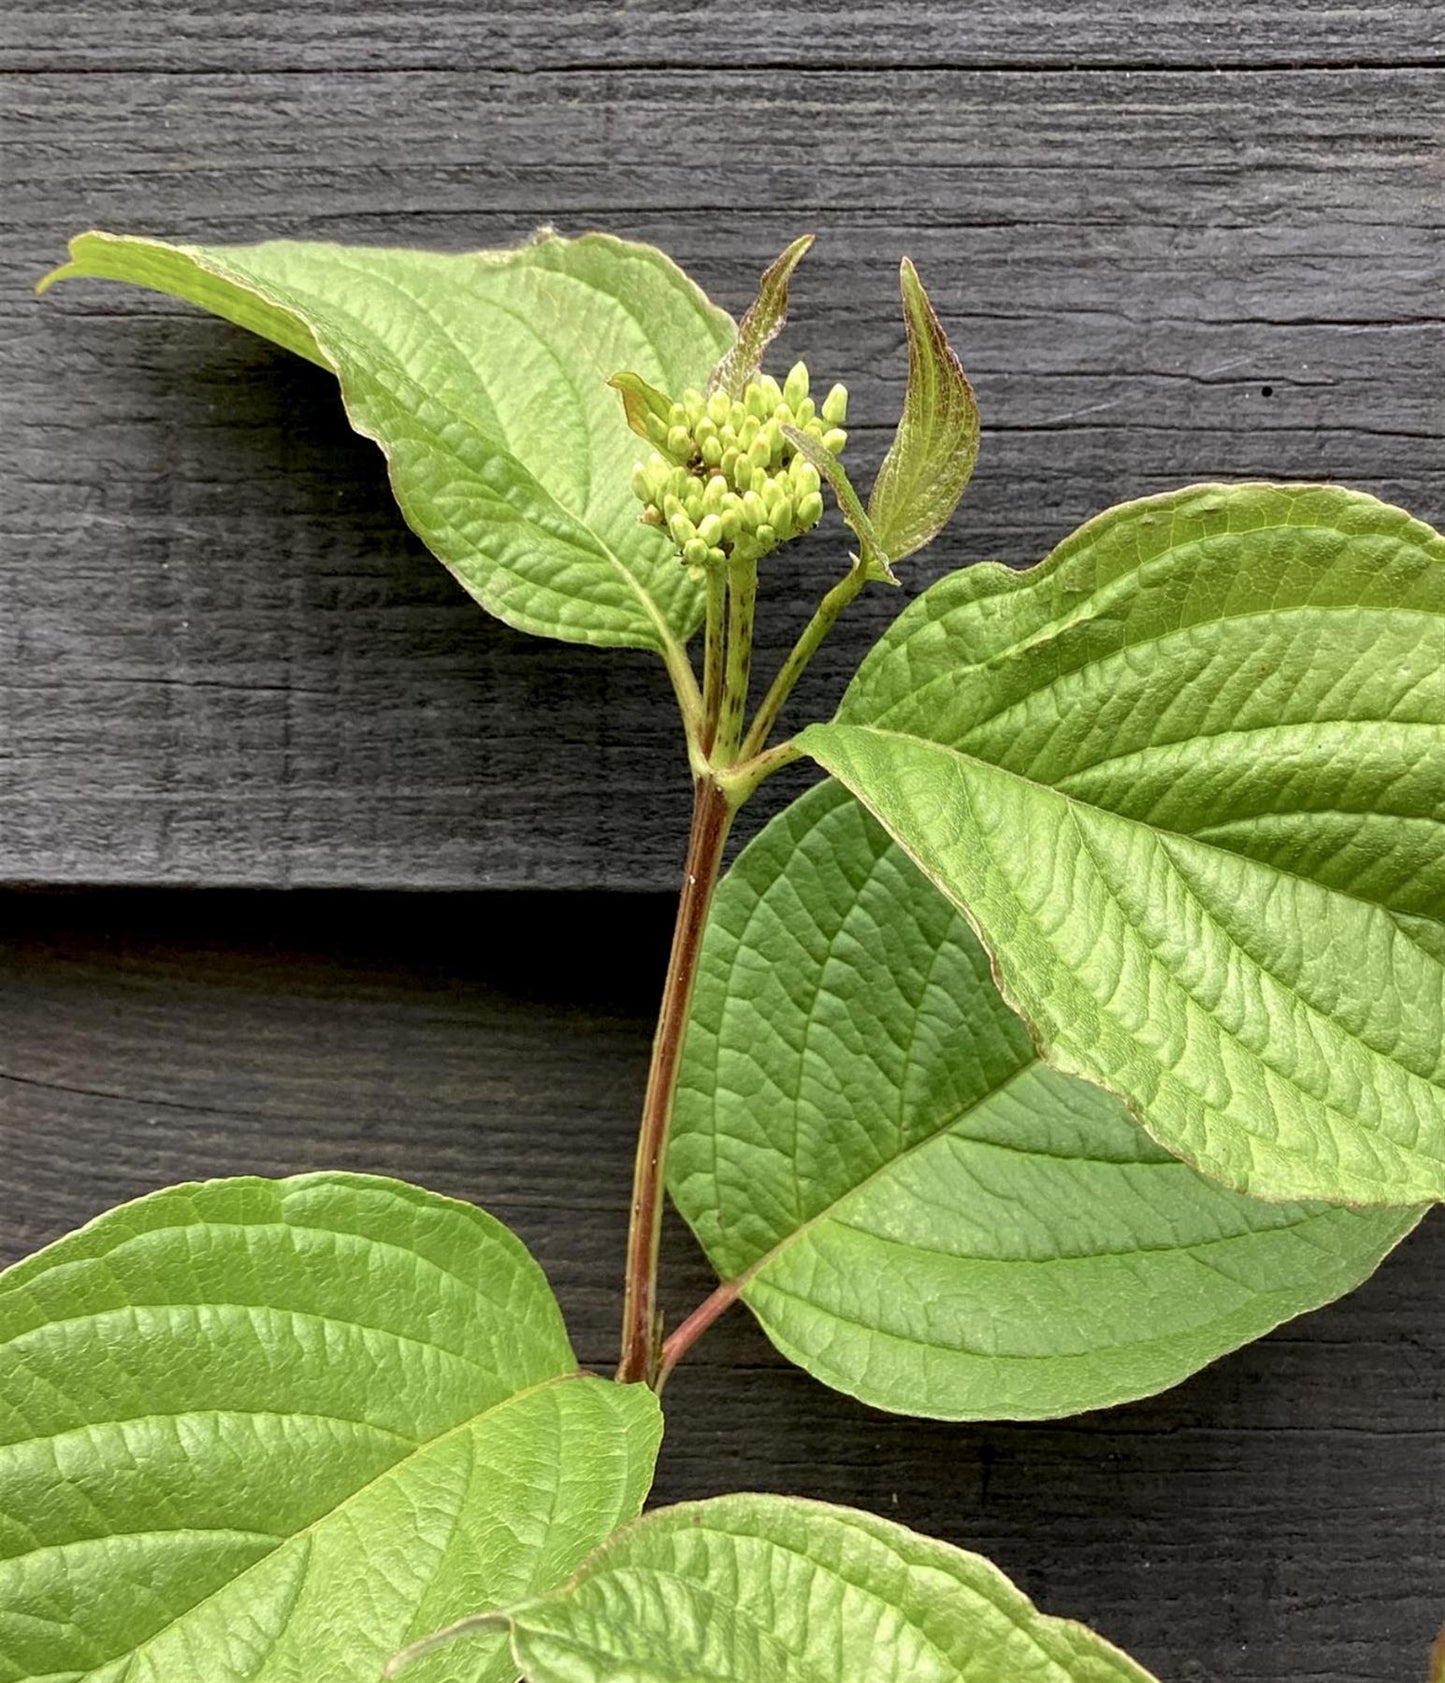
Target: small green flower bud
[[682, 529], [755, 402], [772, 393], [694, 552], [742, 473], [760, 451], [749, 431], [804, 476], [782, 513], [694, 406], [709, 529], [834, 440], [651, 517], [728, 465], [755, 510], [810, 510], [804, 412], [719, 407], [641, 486], [731, 517], [676, 416], [712, 450], [716, 557], [795, 387], [714, 492], [766, 537], [679, 442], [656, 429], [783, 416], [835, 406]]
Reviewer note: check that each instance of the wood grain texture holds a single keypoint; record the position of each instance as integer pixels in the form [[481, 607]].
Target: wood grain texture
[[222, 658], [283, 35], [1277, 1519]]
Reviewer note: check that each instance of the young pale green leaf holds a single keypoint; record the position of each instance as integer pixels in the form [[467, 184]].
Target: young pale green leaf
[[639, 400], [483, 378], [919, 1211], [770, 1589], [764, 321], [1187, 780], [849, 503], [932, 455], [256, 1431]]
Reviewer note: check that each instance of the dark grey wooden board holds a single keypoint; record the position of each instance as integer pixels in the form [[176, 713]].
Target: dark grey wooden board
[[282, 35], [1277, 1519], [224, 661]]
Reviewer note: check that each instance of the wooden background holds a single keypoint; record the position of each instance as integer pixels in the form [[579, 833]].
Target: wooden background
[[1172, 241]]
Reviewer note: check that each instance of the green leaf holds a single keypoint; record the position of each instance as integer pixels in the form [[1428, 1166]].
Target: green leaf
[[932, 454], [639, 400], [769, 1589], [762, 324], [483, 377], [1187, 781], [849, 504], [257, 1431], [919, 1211]]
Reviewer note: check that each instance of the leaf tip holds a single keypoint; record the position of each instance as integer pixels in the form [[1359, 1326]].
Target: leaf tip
[[62, 271]]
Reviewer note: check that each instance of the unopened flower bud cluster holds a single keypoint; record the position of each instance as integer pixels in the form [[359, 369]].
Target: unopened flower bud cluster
[[724, 480]]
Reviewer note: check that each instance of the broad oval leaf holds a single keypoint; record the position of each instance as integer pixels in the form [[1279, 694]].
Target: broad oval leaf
[[483, 377], [258, 1431], [770, 1589], [1187, 780], [919, 1211], [930, 460]]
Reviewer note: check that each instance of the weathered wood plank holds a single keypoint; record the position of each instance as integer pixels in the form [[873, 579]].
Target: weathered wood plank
[[224, 661], [1277, 1518], [274, 35]]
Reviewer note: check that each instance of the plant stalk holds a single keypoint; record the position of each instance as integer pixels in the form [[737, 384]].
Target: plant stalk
[[687, 1332], [802, 652], [714, 657], [742, 607], [712, 815]]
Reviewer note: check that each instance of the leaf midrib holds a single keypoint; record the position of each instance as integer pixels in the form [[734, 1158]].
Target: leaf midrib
[[849, 1581], [1054, 632], [1076, 803], [740, 1282], [308, 1530], [323, 342]]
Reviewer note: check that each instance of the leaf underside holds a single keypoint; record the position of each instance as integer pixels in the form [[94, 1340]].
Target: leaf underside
[[769, 1589], [266, 1431], [1186, 779], [924, 1214], [763, 322], [483, 378], [931, 458]]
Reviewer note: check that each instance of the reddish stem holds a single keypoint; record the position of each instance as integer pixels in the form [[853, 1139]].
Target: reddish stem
[[682, 1338], [712, 814]]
